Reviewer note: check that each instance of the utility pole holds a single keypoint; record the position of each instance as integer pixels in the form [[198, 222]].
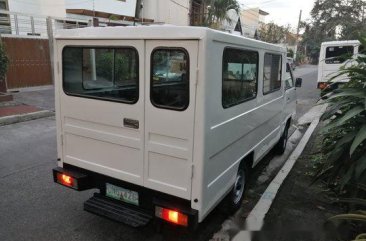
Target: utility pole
[[297, 36]]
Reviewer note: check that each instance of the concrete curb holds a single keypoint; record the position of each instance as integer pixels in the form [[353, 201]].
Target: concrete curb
[[7, 120], [255, 219]]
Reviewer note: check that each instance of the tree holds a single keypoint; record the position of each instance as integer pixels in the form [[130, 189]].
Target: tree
[[217, 11], [273, 33], [333, 20]]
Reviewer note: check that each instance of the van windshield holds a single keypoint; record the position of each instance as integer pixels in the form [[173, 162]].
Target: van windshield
[[338, 54], [102, 73]]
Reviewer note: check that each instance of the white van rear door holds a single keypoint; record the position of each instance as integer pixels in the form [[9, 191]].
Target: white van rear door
[[171, 69], [102, 106]]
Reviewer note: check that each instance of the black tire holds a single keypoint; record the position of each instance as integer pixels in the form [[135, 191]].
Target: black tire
[[282, 143], [234, 199]]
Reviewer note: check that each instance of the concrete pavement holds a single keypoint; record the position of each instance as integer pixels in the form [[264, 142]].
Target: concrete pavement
[[28, 104]]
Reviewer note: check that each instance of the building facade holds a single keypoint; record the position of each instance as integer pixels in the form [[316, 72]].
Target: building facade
[[251, 20]]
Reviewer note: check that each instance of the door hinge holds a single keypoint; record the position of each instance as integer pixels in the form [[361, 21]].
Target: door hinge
[[192, 168], [58, 67]]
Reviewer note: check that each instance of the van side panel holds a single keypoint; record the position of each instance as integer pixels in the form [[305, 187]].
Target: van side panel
[[233, 133]]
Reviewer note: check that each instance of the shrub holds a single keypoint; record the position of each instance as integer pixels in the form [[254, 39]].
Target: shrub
[[344, 145], [3, 62]]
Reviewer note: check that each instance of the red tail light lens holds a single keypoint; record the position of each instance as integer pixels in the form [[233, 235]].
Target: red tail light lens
[[322, 85], [171, 216], [66, 180]]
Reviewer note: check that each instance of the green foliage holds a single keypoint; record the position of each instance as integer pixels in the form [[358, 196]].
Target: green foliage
[[118, 65], [344, 144], [217, 11], [290, 53], [4, 61], [333, 20], [356, 216], [273, 33]]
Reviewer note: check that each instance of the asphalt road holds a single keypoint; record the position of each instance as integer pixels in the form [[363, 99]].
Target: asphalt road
[[32, 207], [308, 94]]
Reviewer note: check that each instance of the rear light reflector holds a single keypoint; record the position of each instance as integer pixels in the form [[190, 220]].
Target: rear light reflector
[[66, 180], [171, 216], [322, 85]]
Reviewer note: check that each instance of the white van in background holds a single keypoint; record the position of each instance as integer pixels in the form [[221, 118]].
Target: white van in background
[[332, 56], [166, 121]]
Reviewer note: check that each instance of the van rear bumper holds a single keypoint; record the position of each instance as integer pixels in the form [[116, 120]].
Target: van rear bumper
[[148, 199]]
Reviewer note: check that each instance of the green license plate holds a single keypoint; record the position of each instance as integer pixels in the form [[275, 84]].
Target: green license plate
[[122, 194]]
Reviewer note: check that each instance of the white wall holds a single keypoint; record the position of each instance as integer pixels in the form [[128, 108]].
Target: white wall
[[54, 8], [167, 11], [127, 7]]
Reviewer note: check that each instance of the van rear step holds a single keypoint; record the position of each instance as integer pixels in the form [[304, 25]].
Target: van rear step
[[100, 205]]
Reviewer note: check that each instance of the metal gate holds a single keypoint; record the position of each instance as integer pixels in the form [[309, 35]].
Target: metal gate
[[30, 63]]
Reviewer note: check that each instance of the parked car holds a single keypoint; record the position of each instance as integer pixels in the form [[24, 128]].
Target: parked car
[[172, 144]]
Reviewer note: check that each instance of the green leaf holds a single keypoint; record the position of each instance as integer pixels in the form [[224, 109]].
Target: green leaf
[[348, 93], [361, 166], [357, 201], [348, 176], [349, 217], [348, 115], [361, 136], [346, 139]]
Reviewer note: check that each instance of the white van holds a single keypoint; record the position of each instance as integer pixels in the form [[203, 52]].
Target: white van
[[166, 121], [332, 56]]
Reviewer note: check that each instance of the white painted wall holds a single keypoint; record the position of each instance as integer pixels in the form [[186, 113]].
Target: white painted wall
[[167, 11], [127, 7], [54, 8]]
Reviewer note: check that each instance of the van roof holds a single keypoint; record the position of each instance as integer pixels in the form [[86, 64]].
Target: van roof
[[161, 32], [343, 42]]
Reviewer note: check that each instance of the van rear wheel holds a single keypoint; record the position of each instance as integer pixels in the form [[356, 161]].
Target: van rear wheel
[[282, 143], [234, 199]]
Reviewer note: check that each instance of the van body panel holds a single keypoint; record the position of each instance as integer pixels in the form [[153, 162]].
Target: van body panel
[[93, 131], [169, 133], [192, 153]]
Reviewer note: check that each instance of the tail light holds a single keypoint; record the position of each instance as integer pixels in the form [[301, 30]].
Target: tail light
[[72, 179], [171, 216], [322, 85], [66, 180]]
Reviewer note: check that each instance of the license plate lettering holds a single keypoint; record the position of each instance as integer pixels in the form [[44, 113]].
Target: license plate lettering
[[122, 194]]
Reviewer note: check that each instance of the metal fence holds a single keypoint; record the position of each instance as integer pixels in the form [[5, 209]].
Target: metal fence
[[32, 25]]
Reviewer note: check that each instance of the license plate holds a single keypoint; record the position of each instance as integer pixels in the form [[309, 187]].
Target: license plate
[[122, 194]]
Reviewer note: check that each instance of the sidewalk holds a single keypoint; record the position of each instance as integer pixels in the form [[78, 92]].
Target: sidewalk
[[28, 104]]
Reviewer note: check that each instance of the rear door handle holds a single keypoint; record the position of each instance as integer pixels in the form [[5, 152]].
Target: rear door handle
[[130, 123]]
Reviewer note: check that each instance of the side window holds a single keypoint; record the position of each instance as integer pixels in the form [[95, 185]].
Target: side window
[[170, 78], [239, 76], [272, 73], [101, 73], [289, 80]]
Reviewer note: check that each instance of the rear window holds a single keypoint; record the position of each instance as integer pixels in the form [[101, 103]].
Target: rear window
[[101, 73], [170, 78], [338, 54]]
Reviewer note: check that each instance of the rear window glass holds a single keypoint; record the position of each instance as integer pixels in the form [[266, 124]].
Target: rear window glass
[[170, 78], [101, 73], [338, 54]]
